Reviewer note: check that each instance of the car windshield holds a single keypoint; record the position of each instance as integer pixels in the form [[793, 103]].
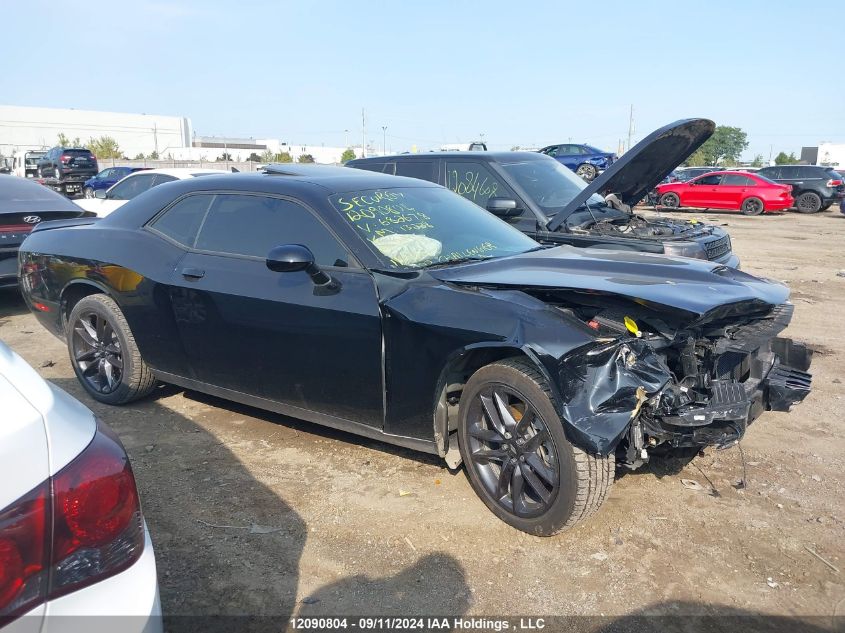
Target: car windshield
[[417, 227], [549, 184]]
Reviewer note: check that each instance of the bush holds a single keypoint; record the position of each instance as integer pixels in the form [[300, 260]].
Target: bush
[[306, 158]]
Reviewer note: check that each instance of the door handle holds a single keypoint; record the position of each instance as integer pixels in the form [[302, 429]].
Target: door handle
[[193, 273]]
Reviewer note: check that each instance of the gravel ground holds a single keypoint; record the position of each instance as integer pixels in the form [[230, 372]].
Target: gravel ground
[[256, 513]]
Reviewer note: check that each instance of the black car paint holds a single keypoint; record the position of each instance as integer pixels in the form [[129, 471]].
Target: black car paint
[[381, 356], [808, 179], [24, 204], [630, 177]]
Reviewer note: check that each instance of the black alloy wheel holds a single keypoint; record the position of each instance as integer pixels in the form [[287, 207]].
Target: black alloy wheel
[[808, 202], [513, 452], [517, 457], [104, 354], [96, 352]]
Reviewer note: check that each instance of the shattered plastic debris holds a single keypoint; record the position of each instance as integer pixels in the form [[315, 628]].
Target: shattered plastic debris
[[692, 484]]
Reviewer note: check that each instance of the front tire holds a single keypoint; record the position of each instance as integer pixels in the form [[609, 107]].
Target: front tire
[[516, 454], [104, 354], [752, 206], [670, 200], [808, 202], [88, 192], [587, 172]]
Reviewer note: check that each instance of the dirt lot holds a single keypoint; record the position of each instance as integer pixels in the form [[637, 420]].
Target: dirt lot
[[252, 512]]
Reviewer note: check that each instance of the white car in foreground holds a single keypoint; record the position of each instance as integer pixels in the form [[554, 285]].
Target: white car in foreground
[[73, 541], [135, 184]]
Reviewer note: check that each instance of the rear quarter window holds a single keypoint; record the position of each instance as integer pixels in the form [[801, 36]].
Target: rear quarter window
[[422, 169]]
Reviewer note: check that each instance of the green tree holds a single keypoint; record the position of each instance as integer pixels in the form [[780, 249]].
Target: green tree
[[348, 154], [153, 155], [104, 147], [254, 158], [267, 156], [64, 141], [225, 156], [783, 159], [283, 157], [726, 144], [306, 158], [758, 161], [140, 156]]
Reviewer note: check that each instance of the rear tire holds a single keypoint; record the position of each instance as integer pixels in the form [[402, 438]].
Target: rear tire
[[104, 354], [808, 202], [57, 174], [752, 206], [670, 200], [516, 454]]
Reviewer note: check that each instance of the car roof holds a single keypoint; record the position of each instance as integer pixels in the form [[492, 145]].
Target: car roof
[[314, 187], [495, 157], [182, 172]]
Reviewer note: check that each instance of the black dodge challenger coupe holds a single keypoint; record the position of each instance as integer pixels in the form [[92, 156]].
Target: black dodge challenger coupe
[[396, 309]]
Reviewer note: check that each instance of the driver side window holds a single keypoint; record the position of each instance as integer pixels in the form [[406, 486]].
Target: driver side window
[[475, 181], [715, 179], [252, 225]]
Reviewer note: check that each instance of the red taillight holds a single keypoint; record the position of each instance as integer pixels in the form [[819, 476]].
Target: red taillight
[[65, 158], [834, 183], [97, 529], [94, 158], [24, 551]]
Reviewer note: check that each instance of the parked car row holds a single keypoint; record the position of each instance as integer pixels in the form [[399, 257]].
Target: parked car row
[[552, 205], [546, 367]]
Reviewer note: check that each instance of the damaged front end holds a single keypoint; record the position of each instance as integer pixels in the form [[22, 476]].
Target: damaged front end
[[645, 383]]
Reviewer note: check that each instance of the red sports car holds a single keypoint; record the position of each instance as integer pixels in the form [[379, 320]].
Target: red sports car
[[749, 193]]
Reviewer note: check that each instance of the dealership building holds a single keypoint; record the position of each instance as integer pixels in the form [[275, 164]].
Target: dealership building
[[171, 137]]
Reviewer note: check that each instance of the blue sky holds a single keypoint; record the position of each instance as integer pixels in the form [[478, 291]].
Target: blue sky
[[435, 71]]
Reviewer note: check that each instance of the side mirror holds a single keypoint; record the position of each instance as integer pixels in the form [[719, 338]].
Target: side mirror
[[100, 193], [503, 207], [291, 258]]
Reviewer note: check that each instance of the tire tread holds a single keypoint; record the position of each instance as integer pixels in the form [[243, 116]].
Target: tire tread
[[141, 380], [595, 473]]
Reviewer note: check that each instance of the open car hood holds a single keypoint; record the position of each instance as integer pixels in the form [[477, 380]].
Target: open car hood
[[643, 166], [693, 286]]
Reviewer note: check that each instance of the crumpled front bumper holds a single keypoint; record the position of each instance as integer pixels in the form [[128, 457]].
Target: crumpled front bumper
[[782, 381]]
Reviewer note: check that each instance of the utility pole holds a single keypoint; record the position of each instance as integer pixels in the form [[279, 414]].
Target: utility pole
[[363, 134], [155, 137], [630, 127], [384, 140], [347, 138]]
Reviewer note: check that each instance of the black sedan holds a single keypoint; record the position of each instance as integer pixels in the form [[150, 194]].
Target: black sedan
[[23, 204], [395, 309]]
